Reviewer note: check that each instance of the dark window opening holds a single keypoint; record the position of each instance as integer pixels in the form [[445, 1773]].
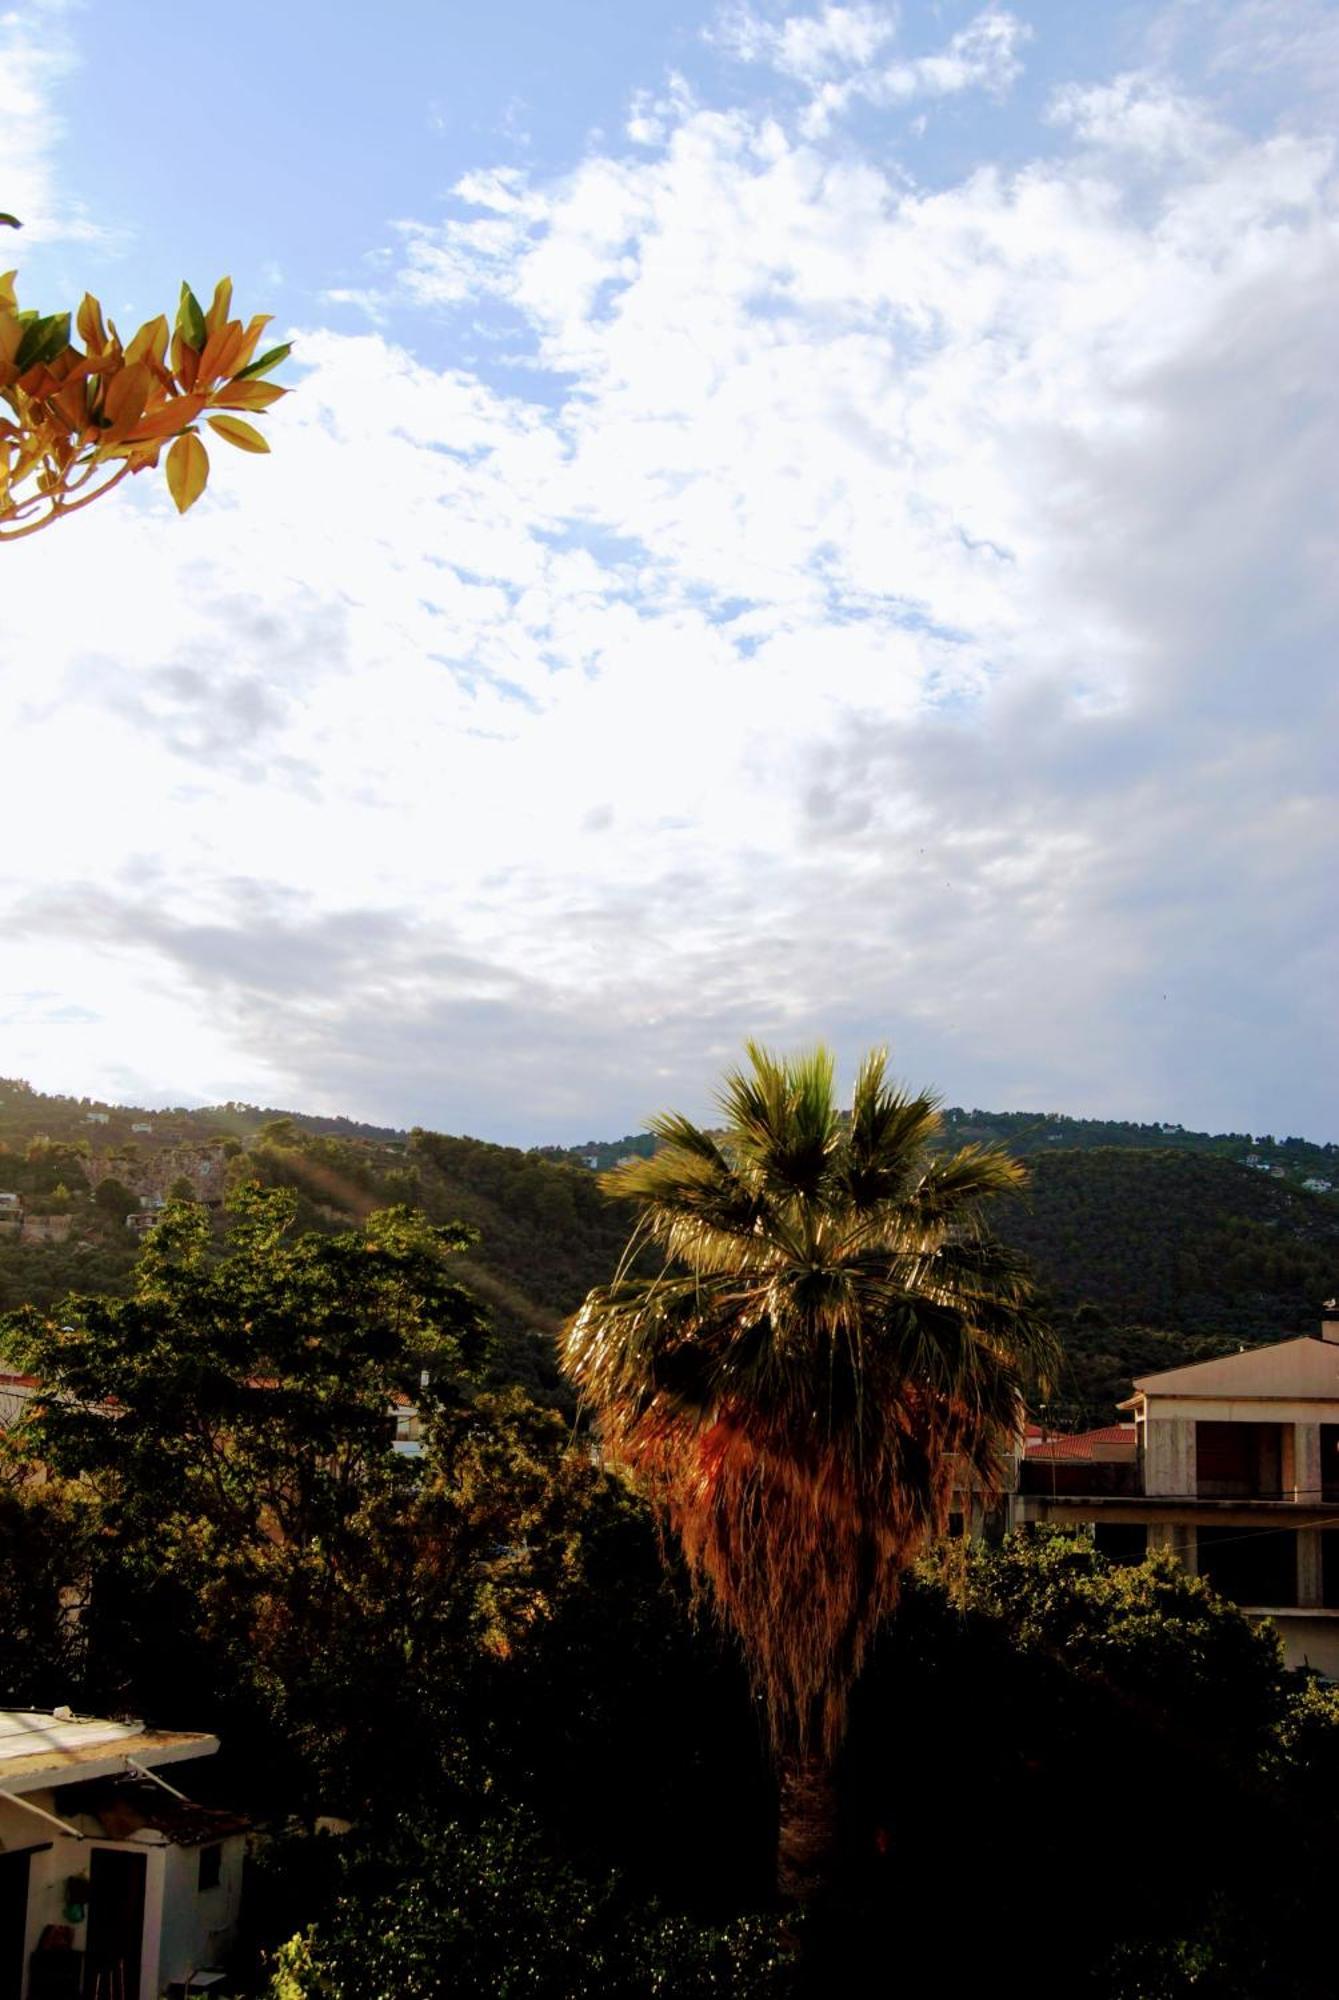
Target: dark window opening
[[1329, 1462], [1250, 1565], [1121, 1541], [1329, 1569], [211, 1866], [1239, 1461]]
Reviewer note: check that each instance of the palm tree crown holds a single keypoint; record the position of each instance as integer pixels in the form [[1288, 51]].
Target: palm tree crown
[[833, 1333]]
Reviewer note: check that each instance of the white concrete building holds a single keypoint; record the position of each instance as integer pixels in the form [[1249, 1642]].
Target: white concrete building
[[112, 1883], [1234, 1465]]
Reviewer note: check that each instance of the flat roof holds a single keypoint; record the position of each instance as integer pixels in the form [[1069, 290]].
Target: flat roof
[[41, 1748]]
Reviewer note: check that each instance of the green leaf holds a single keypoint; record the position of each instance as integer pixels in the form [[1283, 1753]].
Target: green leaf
[[43, 340], [10, 221], [265, 363], [191, 319]]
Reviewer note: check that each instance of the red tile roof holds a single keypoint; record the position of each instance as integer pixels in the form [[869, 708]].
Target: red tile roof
[[1078, 1445]]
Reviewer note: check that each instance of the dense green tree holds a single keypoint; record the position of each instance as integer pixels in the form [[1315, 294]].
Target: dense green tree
[[115, 1199], [232, 1419], [833, 1337], [481, 1904]]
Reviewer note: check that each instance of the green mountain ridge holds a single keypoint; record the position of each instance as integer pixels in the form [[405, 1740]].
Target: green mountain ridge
[[1152, 1245]]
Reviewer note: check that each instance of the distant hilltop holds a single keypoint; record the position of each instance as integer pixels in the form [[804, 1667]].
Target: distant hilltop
[[1305, 1162], [26, 1113]]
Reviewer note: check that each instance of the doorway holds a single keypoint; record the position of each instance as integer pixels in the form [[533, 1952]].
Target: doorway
[[13, 1921], [115, 1924]]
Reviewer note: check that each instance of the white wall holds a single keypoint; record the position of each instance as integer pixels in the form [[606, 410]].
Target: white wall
[[198, 1926]]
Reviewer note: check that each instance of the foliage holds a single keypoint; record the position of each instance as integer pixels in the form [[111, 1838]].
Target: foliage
[[81, 418], [1136, 1742], [831, 1331], [45, 1550], [1179, 1242], [479, 1903], [231, 1420], [114, 1198]]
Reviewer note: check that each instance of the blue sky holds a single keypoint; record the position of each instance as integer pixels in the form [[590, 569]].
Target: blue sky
[[795, 520]]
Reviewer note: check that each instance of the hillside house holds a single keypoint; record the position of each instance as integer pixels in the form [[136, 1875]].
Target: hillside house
[[97, 1118], [1234, 1465], [141, 1125], [111, 1880]]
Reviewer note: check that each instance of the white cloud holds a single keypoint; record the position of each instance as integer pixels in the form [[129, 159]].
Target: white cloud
[[903, 615], [808, 47], [839, 56], [35, 53], [1138, 114]]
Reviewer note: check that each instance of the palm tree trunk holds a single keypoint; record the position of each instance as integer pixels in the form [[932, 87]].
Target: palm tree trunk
[[807, 1836]]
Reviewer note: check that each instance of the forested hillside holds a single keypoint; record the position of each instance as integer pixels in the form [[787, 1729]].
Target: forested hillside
[[1147, 1255]]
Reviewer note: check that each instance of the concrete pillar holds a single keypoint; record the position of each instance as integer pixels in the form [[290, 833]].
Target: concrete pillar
[[1310, 1579], [1169, 1456], [1179, 1538], [1306, 1480]]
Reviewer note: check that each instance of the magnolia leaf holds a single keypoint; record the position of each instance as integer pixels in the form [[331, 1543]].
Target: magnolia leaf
[[266, 362], [10, 221], [246, 395], [187, 471], [150, 340], [237, 431], [220, 306], [91, 329], [191, 320], [43, 340]]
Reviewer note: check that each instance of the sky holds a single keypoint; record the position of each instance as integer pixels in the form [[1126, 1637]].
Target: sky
[[803, 522]]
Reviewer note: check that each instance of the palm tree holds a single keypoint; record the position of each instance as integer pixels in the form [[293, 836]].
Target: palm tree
[[832, 1339]]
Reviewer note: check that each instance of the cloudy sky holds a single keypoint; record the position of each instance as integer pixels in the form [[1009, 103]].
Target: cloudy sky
[[803, 522]]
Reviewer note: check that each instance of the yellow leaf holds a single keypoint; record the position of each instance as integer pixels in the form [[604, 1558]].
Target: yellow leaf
[[246, 395], [166, 422], [123, 400], [150, 340], [187, 471], [91, 329], [217, 316], [245, 436], [251, 339]]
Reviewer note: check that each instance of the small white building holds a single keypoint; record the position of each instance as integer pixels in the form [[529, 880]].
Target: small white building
[[141, 1125], [105, 1867], [97, 1118]]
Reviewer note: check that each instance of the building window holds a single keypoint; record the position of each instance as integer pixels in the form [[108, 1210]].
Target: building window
[[1239, 1461], [211, 1866], [1250, 1565], [1121, 1541], [1329, 1570], [1329, 1463]]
